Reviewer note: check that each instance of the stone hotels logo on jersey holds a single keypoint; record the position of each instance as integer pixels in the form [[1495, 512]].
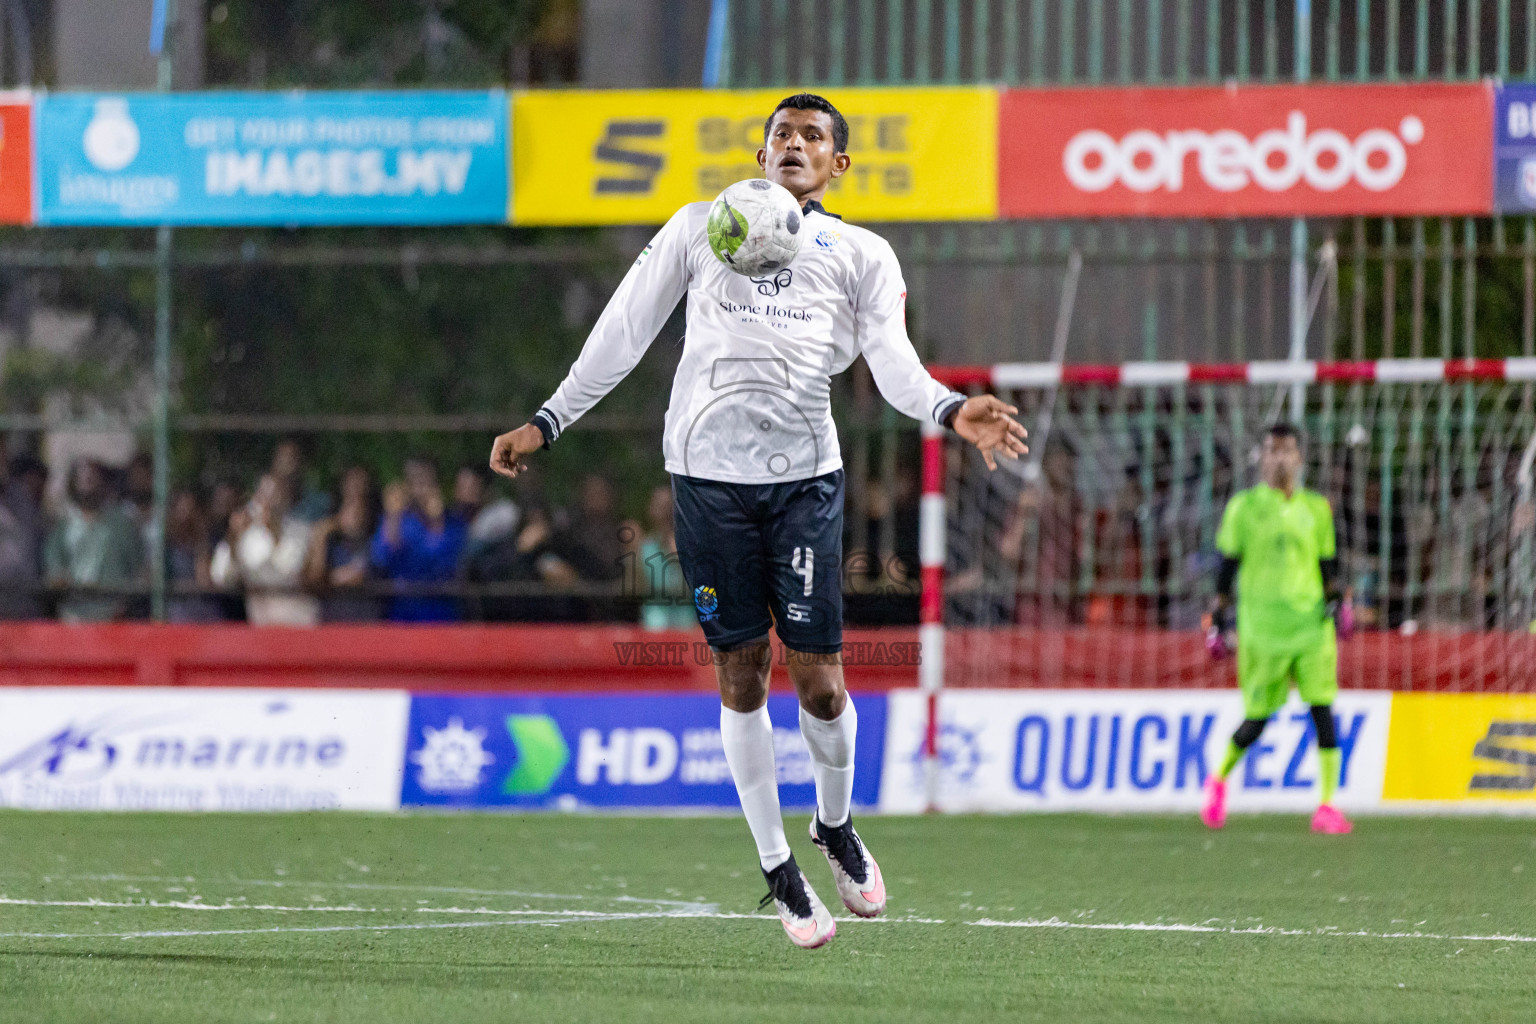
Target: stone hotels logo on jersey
[[1247, 151]]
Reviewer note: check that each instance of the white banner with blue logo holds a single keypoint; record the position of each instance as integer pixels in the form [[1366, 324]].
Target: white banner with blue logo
[[1514, 148], [1121, 750], [468, 750], [272, 158], [189, 749]]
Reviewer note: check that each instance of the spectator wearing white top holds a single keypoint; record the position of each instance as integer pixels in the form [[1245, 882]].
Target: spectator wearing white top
[[264, 551]]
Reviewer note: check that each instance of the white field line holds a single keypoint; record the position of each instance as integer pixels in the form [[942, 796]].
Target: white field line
[[557, 917], [191, 904], [270, 931], [1325, 933], [700, 911], [283, 883], [680, 909]]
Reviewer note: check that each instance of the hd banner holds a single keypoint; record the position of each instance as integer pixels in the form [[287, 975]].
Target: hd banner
[[1121, 750], [1247, 151], [634, 157], [272, 158], [571, 752], [15, 158], [191, 749]]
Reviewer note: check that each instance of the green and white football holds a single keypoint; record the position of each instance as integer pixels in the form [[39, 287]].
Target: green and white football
[[754, 227]]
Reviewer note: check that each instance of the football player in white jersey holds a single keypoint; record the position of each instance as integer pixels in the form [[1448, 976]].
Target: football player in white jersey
[[757, 474]]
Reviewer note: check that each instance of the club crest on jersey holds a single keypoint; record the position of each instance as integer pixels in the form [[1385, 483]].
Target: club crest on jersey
[[771, 286], [828, 238], [707, 601]]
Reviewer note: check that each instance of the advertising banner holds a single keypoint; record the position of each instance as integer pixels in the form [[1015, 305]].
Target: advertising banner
[[1246, 151], [1125, 750], [1514, 148], [606, 751], [1462, 747], [15, 158], [272, 158], [186, 749], [634, 157]]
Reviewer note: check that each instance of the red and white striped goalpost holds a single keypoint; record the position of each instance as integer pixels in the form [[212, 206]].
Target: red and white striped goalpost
[[1040, 376]]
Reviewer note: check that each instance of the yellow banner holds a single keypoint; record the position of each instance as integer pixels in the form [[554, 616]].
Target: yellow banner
[[634, 157], [1461, 746]]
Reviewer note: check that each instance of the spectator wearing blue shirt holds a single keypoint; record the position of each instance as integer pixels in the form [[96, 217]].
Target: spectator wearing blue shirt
[[419, 543]]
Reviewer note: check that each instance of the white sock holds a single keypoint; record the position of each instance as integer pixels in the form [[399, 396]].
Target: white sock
[[748, 742], [831, 745]]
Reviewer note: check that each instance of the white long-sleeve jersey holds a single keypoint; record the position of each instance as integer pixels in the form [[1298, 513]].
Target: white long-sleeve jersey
[[751, 402]]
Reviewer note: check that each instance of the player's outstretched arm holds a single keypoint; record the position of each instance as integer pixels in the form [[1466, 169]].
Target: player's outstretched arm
[[988, 423], [629, 323]]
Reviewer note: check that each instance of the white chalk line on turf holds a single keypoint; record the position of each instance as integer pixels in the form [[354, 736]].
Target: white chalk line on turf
[[283, 883], [554, 918], [192, 904], [1205, 929]]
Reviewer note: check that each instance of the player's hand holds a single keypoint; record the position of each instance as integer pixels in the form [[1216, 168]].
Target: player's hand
[[987, 422], [1220, 638], [1343, 613], [510, 449]]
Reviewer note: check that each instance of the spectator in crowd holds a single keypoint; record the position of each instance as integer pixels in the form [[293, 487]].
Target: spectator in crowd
[[659, 574], [22, 528], [188, 563], [224, 499], [309, 504], [264, 552], [530, 555], [494, 523], [94, 545], [418, 544], [138, 487], [339, 566], [471, 485], [592, 543]]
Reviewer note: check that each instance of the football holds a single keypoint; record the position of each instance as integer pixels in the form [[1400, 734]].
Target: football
[[754, 227]]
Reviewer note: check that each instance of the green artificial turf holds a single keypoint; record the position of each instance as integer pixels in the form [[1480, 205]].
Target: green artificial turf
[[638, 921]]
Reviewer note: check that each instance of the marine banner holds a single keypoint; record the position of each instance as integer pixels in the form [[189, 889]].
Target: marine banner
[[634, 157], [180, 748]]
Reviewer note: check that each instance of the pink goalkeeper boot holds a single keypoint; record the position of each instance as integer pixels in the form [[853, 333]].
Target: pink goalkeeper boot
[[1214, 813], [1329, 820]]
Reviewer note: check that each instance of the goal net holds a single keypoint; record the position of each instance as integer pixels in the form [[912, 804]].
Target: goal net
[[1089, 562]]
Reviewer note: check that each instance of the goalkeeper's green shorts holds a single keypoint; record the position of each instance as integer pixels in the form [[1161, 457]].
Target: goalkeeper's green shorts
[[1265, 675]]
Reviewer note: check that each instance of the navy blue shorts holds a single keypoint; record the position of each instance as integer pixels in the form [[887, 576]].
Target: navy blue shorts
[[749, 551]]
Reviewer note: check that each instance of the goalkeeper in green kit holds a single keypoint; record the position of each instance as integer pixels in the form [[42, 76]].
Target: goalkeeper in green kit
[[1277, 543]]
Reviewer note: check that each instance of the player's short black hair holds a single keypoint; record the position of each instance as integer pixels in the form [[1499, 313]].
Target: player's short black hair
[[810, 101], [1281, 430]]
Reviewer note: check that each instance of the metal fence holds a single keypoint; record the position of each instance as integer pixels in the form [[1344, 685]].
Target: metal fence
[[1199, 290]]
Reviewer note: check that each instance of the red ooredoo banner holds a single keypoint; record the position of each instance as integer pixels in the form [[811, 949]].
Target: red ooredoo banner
[[15, 158], [1247, 151]]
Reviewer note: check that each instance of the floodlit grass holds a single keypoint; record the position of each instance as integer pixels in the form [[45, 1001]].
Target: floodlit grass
[[171, 918]]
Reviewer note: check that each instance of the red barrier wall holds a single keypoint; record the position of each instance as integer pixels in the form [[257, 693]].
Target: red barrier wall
[[596, 658], [421, 658]]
